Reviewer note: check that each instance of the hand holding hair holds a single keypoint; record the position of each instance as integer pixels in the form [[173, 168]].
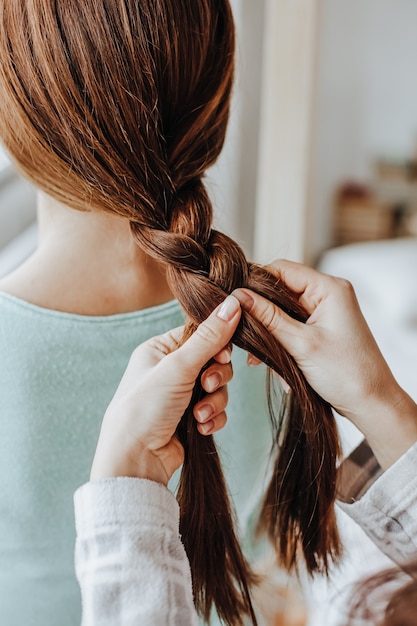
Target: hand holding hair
[[137, 437], [339, 357]]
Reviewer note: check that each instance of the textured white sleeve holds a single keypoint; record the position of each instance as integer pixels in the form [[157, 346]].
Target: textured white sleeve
[[129, 559], [387, 509]]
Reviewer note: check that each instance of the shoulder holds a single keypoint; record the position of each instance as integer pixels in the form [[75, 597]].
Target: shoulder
[[23, 326], [17, 285], [5, 285], [31, 284]]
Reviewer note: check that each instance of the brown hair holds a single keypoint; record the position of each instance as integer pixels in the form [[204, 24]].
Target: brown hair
[[122, 105]]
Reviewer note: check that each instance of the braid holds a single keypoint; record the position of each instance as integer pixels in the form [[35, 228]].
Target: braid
[[125, 106], [205, 265]]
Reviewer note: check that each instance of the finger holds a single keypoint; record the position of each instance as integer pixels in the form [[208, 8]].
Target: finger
[[311, 286], [214, 425], [215, 376], [168, 342], [277, 322], [295, 275], [211, 405], [210, 337], [252, 360], [150, 352], [175, 335], [225, 355]]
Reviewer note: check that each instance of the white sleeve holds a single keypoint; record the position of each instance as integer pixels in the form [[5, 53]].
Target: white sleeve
[[129, 559], [384, 504]]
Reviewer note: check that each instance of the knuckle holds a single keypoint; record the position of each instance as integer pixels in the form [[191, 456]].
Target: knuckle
[[228, 373], [314, 345], [275, 268], [314, 291], [140, 350], [224, 370], [207, 333], [220, 420], [270, 317], [223, 395], [345, 287], [159, 344]]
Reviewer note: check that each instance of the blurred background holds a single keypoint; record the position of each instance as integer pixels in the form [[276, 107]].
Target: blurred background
[[320, 166]]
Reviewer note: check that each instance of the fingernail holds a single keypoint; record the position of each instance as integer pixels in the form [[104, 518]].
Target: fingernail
[[212, 382], [206, 428], [244, 298], [225, 355], [204, 412], [253, 361], [228, 309], [227, 352]]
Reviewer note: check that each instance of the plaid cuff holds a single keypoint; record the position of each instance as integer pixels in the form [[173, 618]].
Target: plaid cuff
[[357, 473]]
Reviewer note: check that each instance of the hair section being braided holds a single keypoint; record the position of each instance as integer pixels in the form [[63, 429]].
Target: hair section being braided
[[298, 511]]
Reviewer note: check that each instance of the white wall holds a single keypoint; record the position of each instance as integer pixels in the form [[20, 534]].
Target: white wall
[[233, 180], [17, 207], [288, 84], [260, 184], [366, 99]]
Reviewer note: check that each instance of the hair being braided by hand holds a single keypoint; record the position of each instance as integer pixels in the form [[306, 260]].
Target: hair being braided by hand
[[121, 106], [298, 509]]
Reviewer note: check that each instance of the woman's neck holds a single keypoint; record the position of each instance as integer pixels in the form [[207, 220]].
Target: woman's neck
[[87, 263]]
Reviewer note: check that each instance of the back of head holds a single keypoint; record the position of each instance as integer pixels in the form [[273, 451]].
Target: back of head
[[115, 105], [121, 106]]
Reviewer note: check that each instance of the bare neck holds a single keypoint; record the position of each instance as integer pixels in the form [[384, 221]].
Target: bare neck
[[87, 263]]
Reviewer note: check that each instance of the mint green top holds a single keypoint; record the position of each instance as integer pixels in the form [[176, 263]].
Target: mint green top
[[58, 372]]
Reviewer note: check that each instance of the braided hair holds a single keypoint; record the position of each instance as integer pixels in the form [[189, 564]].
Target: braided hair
[[121, 106]]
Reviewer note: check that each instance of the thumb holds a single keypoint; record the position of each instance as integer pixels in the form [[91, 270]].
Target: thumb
[[209, 338], [287, 330]]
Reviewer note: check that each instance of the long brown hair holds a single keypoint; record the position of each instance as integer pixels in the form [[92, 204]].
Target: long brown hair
[[121, 106]]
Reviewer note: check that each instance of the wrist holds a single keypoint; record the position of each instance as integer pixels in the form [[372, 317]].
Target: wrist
[[140, 463], [389, 423]]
